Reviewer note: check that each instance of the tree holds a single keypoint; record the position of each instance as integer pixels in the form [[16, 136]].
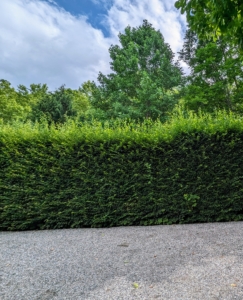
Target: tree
[[216, 79], [90, 91], [32, 94], [54, 107], [88, 88], [10, 107], [29, 97], [80, 102], [214, 18], [144, 76]]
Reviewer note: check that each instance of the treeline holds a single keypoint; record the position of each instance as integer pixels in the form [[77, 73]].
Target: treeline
[[146, 83]]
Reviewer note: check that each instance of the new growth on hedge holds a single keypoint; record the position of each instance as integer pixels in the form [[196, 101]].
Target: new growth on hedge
[[79, 175]]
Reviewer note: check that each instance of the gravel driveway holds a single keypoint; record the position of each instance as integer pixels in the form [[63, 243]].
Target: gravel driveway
[[195, 261]]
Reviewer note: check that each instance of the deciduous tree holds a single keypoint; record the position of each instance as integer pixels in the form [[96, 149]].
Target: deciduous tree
[[144, 76], [214, 18], [10, 107], [216, 79]]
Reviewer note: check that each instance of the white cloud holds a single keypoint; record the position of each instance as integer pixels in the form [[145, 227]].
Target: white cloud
[[42, 43]]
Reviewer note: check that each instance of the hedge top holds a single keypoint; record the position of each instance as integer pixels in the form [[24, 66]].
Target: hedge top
[[122, 131]]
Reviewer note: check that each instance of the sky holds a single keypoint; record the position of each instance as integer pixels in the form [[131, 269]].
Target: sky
[[67, 41]]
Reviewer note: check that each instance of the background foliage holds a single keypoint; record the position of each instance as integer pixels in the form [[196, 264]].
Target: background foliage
[[214, 18], [216, 78]]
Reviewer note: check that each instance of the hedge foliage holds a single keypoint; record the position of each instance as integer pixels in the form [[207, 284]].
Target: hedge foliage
[[186, 171]]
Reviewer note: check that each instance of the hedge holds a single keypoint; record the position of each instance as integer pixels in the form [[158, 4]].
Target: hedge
[[187, 171]]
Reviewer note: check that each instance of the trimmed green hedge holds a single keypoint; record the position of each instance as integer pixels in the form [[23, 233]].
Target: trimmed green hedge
[[188, 171]]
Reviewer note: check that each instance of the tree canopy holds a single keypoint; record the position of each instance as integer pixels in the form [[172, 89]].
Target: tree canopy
[[216, 79], [14, 104], [143, 78], [54, 107], [214, 18]]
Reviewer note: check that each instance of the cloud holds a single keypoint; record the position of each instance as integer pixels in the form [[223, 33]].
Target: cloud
[[42, 43], [52, 2]]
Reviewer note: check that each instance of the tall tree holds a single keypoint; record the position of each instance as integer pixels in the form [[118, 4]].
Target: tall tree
[[214, 18], [216, 79], [144, 76]]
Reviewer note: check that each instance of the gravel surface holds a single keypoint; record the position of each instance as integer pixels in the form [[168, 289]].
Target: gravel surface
[[195, 261]]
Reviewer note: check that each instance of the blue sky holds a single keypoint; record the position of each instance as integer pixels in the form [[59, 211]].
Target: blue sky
[[95, 10], [67, 41]]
